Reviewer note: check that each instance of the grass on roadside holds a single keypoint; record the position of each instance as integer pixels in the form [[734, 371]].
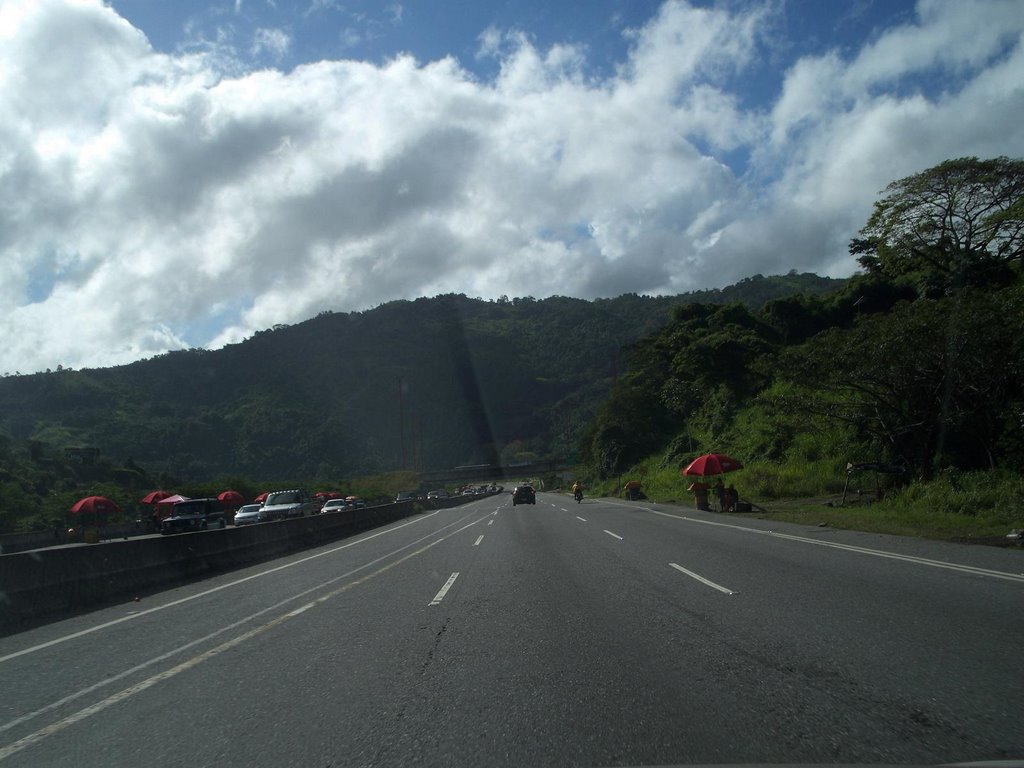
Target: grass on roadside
[[955, 505], [882, 517]]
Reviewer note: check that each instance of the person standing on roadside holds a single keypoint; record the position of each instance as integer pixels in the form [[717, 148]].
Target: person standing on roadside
[[732, 498], [700, 494], [720, 494]]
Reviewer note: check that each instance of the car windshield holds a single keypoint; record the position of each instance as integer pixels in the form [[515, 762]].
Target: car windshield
[[285, 497], [707, 314], [189, 508]]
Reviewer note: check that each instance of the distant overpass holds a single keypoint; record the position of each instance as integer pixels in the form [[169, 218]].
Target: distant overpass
[[469, 473]]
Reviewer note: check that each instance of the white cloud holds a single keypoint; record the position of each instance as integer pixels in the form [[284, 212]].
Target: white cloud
[[276, 42], [842, 129], [149, 202], [490, 41]]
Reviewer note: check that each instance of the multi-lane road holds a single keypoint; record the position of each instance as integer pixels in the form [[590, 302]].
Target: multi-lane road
[[601, 633]]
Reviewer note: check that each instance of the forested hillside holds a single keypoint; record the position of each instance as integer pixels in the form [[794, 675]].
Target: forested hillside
[[421, 384], [917, 364]]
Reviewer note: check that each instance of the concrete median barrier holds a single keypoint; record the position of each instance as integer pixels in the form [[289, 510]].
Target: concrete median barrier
[[48, 583]]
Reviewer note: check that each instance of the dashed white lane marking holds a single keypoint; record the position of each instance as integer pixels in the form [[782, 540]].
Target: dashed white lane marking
[[444, 590], [478, 540], [615, 535], [581, 518], [702, 580], [490, 522]]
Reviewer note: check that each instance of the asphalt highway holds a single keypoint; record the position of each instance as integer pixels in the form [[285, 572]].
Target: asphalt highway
[[601, 633]]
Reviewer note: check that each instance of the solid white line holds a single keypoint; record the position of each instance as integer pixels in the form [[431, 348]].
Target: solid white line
[[444, 590], [581, 518], [93, 709], [478, 540], [173, 603], [702, 580], [131, 671], [614, 534], [969, 569]]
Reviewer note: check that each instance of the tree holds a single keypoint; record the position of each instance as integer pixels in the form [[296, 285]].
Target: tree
[[958, 224], [931, 384], [704, 363]]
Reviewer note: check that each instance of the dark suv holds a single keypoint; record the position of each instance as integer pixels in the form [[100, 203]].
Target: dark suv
[[524, 494], [194, 515]]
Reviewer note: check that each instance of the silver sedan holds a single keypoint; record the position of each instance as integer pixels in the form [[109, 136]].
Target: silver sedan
[[247, 515]]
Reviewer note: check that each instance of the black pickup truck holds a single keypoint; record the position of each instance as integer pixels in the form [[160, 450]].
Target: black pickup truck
[[194, 515]]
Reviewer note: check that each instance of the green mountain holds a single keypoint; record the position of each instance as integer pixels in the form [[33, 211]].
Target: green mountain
[[422, 384]]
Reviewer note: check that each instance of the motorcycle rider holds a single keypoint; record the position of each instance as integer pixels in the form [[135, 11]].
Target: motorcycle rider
[[577, 491]]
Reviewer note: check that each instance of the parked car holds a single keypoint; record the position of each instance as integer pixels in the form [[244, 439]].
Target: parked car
[[294, 502], [441, 493], [194, 515], [524, 494], [247, 514], [334, 505]]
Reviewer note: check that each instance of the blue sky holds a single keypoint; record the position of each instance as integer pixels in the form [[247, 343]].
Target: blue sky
[[312, 30], [177, 174]]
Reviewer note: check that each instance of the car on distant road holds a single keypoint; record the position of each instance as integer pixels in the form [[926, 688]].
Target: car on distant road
[[294, 502], [439, 494], [194, 515], [406, 496], [524, 494], [247, 514]]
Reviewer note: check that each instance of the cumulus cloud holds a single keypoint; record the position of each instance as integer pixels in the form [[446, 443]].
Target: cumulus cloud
[[150, 201]]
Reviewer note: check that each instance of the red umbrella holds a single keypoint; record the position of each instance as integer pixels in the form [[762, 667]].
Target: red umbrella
[[261, 498], [154, 496], [96, 505], [170, 501], [711, 464], [164, 506], [231, 498]]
